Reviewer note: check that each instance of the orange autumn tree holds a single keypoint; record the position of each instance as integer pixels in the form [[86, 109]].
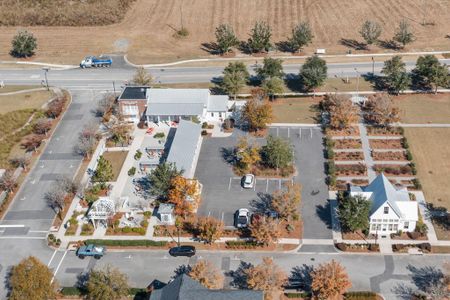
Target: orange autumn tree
[[184, 194], [330, 281]]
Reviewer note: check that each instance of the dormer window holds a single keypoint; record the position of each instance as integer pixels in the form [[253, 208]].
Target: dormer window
[[386, 210]]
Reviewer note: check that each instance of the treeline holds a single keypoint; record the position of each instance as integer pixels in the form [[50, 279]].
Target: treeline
[[62, 12]]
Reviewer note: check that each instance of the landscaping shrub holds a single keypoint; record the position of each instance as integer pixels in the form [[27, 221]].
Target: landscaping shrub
[[138, 155], [374, 247], [241, 244], [425, 247], [297, 295], [360, 295], [204, 125], [409, 155], [159, 135], [126, 229], [204, 132], [132, 171], [405, 143], [417, 184], [330, 153], [414, 235], [70, 291], [127, 243], [397, 247], [341, 246]]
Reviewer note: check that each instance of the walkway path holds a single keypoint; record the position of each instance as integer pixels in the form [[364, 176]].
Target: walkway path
[[367, 152]]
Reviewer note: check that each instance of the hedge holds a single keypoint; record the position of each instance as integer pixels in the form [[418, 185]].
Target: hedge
[[297, 295], [127, 243], [70, 291], [360, 296], [241, 244]]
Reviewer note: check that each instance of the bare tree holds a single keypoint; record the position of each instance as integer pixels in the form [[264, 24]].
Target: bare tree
[[33, 142], [8, 181], [341, 110], [42, 126], [87, 139], [142, 77], [67, 184], [105, 105], [55, 198], [380, 110], [267, 277]]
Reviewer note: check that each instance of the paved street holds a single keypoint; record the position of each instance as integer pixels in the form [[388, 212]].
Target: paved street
[[104, 77]]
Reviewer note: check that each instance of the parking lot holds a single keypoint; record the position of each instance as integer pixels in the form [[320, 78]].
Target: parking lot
[[223, 194]]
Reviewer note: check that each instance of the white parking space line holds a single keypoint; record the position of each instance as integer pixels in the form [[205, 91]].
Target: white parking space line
[[288, 132], [222, 216], [267, 185], [229, 184], [51, 258], [59, 265], [279, 184]]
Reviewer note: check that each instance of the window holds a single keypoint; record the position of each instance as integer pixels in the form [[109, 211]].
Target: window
[[395, 227], [390, 227], [405, 225], [386, 210], [220, 115], [374, 226], [378, 226], [212, 114]]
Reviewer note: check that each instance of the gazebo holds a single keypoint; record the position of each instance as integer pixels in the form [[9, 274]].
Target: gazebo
[[165, 212], [101, 210]]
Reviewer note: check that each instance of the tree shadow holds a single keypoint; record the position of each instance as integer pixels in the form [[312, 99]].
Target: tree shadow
[[439, 215], [284, 46], [426, 277], [263, 204], [245, 47], [324, 213], [354, 44], [378, 82], [389, 44], [403, 291], [239, 276], [211, 48], [182, 269], [300, 278], [294, 83], [228, 155], [81, 283]]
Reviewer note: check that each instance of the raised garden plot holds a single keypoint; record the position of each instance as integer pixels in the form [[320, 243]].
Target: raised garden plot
[[386, 144], [347, 144], [395, 170], [351, 170], [349, 156], [389, 155], [377, 131], [116, 158], [350, 131]]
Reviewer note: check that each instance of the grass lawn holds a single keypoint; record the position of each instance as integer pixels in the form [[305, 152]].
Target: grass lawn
[[431, 153], [295, 110], [15, 102], [424, 108], [16, 88], [116, 158]]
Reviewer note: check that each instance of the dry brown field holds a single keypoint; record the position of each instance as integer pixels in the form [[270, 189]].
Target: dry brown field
[[424, 108], [146, 32], [431, 153]]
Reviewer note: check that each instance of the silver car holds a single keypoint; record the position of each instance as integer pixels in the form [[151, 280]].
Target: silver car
[[248, 181]]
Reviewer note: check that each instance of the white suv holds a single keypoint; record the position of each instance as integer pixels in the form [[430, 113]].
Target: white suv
[[248, 181]]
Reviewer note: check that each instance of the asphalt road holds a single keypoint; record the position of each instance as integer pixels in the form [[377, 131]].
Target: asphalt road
[[101, 78]]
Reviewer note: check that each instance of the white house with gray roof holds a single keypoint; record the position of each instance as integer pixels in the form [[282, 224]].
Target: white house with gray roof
[[167, 105], [392, 209]]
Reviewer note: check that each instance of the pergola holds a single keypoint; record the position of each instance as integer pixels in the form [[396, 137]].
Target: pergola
[[101, 210]]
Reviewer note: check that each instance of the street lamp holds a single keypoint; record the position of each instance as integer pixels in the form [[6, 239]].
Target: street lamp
[[373, 67], [46, 69]]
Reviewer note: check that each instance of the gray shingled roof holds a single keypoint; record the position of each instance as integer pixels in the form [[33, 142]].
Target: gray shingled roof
[[184, 102], [184, 145], [185, 288]]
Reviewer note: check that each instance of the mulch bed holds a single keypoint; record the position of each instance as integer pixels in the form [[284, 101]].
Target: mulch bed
[[351, 170], [394, 131], [389, 156], [394, 170], [347, 144], [406, 236], [350, 131], [349, 156], [386, 144], [357, 235]]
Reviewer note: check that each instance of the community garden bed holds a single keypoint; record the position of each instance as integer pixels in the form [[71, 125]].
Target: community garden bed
[[360, 247], [352, 156], [114, 229], [116, 158], [349, 131], [386, 143], [396, 170], [389, 155], [347, 144], [384, 131], [359, 169], [403, 248]]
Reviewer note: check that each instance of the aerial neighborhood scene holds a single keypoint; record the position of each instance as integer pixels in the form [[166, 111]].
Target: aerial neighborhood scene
[[225, 149]]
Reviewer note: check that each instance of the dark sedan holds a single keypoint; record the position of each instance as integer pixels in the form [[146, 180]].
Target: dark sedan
[[182, 251]]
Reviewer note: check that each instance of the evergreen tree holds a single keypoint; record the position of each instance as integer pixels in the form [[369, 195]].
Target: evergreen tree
[[396, 77], [404, 35], [161, 177], [225, 38], [23, 44], [301, 36], [313, 72], [272, 67], [277, 153], [370, 31], [353, 212], [260, 36], [235, 78], [104, 171]]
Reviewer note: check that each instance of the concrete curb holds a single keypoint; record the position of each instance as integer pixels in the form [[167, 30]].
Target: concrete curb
[[22, 91], [284, 57]]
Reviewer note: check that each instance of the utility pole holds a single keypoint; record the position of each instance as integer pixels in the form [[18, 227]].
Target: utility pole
[[114, 88], [373, 66], [357, 84]]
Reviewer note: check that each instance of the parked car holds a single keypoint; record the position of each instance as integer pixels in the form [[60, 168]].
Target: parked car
[[248, 181], [91, 250], [242, 218], [182, 251]]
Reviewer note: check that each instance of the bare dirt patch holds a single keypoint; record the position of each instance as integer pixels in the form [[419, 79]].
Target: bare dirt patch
[[335, 27], [431, 151]]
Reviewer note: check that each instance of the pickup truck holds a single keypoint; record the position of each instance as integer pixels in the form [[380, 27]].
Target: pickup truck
[[91, 250], [94, 61]]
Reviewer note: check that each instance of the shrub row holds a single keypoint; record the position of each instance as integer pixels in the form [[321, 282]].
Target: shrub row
[[370, 247], [423, 246], [76, 291], [127, 243], [241, 244], [297, 295], [360, 295]]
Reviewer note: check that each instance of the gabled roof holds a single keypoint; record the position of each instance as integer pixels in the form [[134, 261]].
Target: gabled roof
[[185, 288], [134, 93], [184, 102], [383, 191], [184, 146]]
